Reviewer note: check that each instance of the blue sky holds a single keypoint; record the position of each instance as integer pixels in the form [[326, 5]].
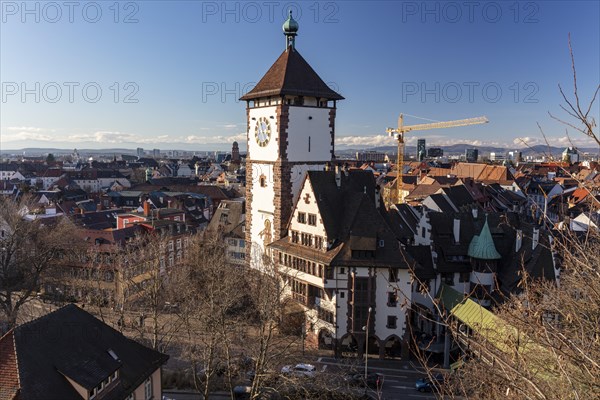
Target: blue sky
[[158, 74]]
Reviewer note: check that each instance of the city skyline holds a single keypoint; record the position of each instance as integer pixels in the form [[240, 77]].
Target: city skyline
[[152, 74]]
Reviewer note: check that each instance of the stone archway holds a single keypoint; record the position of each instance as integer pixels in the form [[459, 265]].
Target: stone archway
[[348, 346], [325, 339], [373, 346], [392, 347]]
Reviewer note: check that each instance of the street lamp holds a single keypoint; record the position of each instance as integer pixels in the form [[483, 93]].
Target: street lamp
[[366, 329]]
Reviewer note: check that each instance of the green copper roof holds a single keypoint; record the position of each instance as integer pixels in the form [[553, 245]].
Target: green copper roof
[[290, 26], [482, 246]]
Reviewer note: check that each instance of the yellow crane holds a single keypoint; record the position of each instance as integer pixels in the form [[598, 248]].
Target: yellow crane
[[397, 196]]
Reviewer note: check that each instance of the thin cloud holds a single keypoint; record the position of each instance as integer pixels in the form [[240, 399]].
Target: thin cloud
[[560, 141], [432, 140]]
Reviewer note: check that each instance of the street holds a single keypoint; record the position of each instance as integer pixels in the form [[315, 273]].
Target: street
[[399, 382]]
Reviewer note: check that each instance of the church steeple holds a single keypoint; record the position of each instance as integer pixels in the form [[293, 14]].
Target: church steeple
[[290, 30]]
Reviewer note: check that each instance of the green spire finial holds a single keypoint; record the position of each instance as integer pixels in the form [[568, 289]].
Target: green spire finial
[[290, 30]]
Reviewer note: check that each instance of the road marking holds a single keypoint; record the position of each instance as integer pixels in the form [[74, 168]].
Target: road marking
[[319, 359]]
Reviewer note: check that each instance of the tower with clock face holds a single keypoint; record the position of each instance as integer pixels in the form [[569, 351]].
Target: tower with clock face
[[290, 130]]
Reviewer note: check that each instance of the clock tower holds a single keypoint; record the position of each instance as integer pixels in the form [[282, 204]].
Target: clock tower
[[290, 130]]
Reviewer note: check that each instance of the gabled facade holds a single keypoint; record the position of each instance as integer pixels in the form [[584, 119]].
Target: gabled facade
[[344, 265], [227, 224]]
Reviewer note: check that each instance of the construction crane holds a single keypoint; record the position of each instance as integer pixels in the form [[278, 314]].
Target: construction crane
[[397, 196]]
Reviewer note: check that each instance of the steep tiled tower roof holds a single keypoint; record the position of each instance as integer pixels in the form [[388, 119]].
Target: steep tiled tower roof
[[482, 246]]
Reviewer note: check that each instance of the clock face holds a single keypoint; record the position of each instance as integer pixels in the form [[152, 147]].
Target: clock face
[[262, 131]]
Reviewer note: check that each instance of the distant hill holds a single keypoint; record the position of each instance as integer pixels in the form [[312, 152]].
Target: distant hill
[[455, 149]]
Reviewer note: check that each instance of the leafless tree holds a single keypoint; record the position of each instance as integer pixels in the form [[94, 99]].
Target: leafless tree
[[544, 343], [209, 294], [29, 248]]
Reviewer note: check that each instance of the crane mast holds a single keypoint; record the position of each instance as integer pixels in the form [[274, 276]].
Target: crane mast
[[397, 193]]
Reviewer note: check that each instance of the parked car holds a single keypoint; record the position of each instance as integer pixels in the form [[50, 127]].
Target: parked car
[[374, 379], [300, 370], [429, 384]]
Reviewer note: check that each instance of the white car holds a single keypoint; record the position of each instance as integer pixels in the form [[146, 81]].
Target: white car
[[300, 370]]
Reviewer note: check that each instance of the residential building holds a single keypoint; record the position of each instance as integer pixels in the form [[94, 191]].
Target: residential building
[[481, 255], [227, 224], [70, 355], [343, 264], [497, 157], [370, 156]]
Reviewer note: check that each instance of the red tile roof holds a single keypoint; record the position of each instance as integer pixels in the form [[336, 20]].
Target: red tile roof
[[291, 75], [9, 374]]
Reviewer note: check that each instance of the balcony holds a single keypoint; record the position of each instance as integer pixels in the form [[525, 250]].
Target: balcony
[[307, 301]]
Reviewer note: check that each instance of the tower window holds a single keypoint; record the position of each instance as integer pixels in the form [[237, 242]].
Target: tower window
[[391, 322], [263, 181], [392, 299]]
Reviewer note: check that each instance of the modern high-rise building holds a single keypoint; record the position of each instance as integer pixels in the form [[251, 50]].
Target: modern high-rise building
[[471, 155], [421, 149]]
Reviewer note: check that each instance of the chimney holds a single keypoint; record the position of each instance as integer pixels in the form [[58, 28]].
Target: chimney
[[535, 239], [518, 240], [327, 166], [169, 203], [456, 230], [146, 208], [475, 212], [99, 206], [338, 176]]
